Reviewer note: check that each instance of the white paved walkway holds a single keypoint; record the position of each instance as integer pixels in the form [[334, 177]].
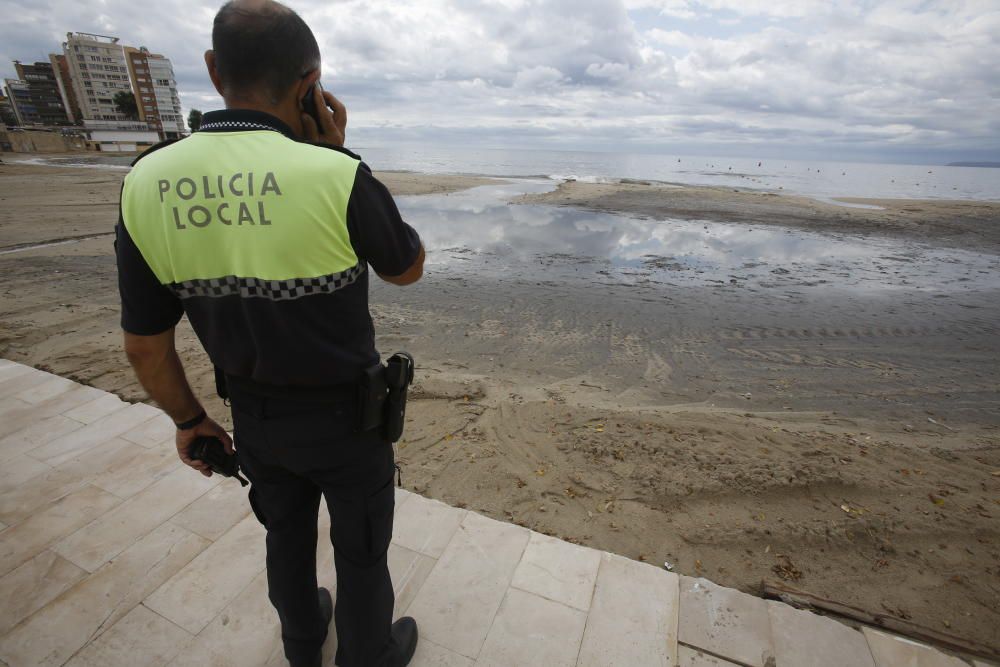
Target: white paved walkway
[[113, 553]]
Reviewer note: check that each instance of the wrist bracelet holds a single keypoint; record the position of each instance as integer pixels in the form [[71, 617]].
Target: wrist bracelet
[[191, 423]]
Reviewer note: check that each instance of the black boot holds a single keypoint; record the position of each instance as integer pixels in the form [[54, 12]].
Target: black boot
[[402, 644], [326, 610]]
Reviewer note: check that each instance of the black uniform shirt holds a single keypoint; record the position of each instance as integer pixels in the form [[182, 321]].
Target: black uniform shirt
[[301, 332]]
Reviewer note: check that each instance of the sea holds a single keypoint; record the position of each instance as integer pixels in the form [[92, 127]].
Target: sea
[[812, 178]]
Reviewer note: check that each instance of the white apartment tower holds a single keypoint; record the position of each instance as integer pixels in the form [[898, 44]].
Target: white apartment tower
[[155, 91], [98, 71]]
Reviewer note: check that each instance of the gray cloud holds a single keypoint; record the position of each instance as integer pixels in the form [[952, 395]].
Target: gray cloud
[[879, 79]]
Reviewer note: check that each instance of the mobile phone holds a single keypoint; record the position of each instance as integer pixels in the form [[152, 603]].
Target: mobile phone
[[309, 104]]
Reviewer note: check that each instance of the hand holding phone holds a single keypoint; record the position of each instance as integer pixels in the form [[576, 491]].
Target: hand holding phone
[[324, 117]]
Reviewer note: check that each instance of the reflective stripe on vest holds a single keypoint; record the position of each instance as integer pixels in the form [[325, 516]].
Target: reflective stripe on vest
[[252, 213]]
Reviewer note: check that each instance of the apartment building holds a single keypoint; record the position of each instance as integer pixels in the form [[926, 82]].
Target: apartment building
[[155, 91], [60, 67], [34, 95], [98, 71], [7, 116]]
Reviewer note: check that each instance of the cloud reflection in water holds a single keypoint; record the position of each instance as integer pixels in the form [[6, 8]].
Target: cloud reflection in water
[[511, 236]]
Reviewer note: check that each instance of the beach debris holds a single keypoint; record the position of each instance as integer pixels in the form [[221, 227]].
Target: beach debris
[[937, 423], [747, 395], [995, 473], [787, 569], [667, 566], [540, 472], [853, 511], [934, 499]]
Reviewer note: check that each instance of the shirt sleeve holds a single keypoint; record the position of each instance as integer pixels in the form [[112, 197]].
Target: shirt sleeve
[[148, 308], [378, 233]]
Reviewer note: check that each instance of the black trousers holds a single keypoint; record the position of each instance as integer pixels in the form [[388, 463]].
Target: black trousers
[[293, 451]]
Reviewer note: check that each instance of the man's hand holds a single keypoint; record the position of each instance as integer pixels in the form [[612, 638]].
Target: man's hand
[[333, 123], [206, 428]]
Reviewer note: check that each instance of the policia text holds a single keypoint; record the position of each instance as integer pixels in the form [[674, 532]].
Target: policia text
[[238, 185]]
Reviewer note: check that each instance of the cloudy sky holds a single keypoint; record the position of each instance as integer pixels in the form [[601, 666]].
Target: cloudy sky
[[903, 80]]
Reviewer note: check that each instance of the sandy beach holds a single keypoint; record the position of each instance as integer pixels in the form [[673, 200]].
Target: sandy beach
[[843, 443]]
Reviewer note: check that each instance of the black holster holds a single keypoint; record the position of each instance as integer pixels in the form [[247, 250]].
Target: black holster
[[399, 377], [382, 396]]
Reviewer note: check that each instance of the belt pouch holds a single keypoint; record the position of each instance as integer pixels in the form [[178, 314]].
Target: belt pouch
[[373, 392]]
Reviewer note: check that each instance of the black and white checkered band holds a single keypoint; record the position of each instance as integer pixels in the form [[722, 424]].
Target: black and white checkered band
[[273, 290], [236, 125]]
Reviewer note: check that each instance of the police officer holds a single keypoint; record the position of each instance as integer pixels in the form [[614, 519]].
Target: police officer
[[264, 230]]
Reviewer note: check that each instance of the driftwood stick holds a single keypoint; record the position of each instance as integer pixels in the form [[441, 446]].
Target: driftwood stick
[[899, 626]]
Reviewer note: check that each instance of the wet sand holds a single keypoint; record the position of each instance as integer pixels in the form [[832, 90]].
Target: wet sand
[[954, 223], [844, 443]]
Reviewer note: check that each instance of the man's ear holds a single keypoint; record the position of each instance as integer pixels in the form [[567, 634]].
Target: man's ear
[[307, 82], [213, 72]]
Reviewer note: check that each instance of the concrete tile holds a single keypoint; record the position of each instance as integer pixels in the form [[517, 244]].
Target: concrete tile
[[692, 657], [52, 387], [61, 628], [107, 536], [194, 596], [21, 502], [134, 469], [153, 433], [326, 573], [33, 585], [99, 458], [531, 630], [37, 433], [891, 651], [425, 525], [9, 406], [402, 495], [429, 654], [633, 618], [245, 633], [106, 428], [463, 592], [724, 621], [141, 637], [830, 644], [558, 571], [409, 571], [98, 407], [15, 416], [13, 369], [13, 385], [27, 539], [18, 470], [220, 509]]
